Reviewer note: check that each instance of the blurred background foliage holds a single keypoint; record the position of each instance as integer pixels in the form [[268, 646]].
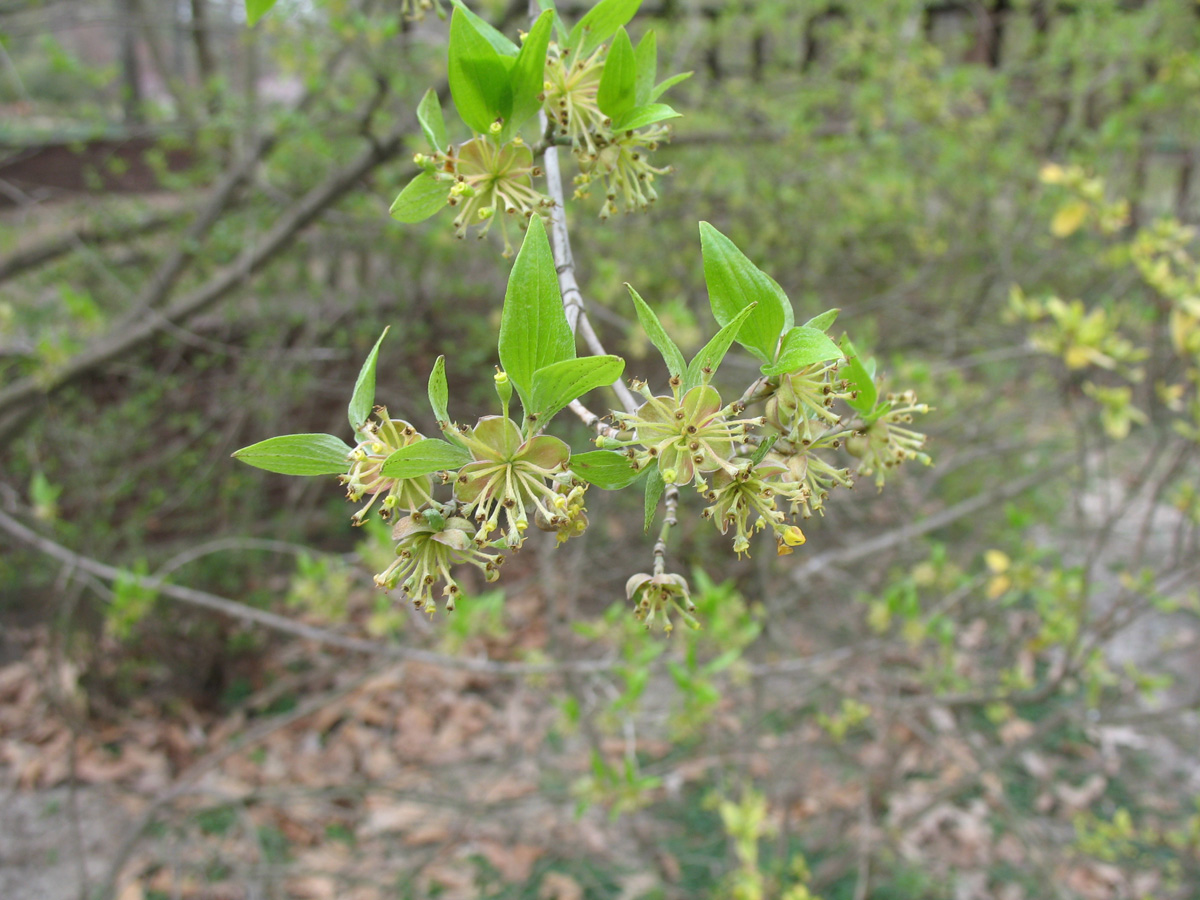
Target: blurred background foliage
[[195, 254]]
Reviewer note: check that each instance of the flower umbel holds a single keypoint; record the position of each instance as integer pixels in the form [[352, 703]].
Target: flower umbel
[[654, 596], [429, 544], [380, 439], [571, 88], [489, 181], [802, 406], [745, 500], [686, 435], [511, 474], [886, 442], [623, 170]]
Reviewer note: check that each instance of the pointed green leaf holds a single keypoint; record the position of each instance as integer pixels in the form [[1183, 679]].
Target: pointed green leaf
[[641, 116], [439, 399], [499, 42], [654, 491], [478, 73], [556, 385], [859, 376], [668, 83], [421, 198], [560, 30], [733, 283], [528, 75], [599, 25], [533, 327], [362, 401], [646, 62], [422, 457], [712, 353], [606, 469], [763, 449], [802, 346], [618, 81], [433, 123], [298, 454], [671, 354], [439, 392], [256, 9], [824, 321]]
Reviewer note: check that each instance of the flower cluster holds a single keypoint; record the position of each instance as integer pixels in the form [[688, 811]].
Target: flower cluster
[[616, 160], [380, 439], [801, 407], [510, 473], [486, 181], [745, 501], [687, 434], [570, 100], [509, 479], [887, 441], [429, 543], [655, 596]]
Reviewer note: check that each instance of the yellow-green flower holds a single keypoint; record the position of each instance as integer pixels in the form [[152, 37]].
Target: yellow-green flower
[[887, 442], [654, 596], [380, 439], [688, 435], [429, 543], [511, 473], [745, 501]]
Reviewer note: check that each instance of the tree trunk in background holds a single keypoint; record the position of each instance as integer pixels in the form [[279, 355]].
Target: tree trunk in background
[[131, 72], [205, 63]]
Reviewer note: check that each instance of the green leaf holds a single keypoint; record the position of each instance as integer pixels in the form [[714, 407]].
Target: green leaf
[[618, 81], [433, 123], [599, 25], [478, 73], [422, 457], [421, 198], [439, 399], [256, 9], [733, 284], [668, 83], [712, 353], [824, 321], [802, 346], [641, 116], [298, 454], [763, 449], [439, 392], [646, 61], [606, 469], [556, 385], [860, 380], [671, 354], [533, 327], [362, 401], [560, 30], [497, 39], [654, 491], [528, 74]]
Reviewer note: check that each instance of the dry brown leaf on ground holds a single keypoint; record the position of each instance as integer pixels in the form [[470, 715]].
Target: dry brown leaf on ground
[[559, 886], [514, 862]]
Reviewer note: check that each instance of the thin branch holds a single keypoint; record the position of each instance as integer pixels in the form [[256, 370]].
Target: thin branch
[[25, 258], [245, 613], [120, 341], [913, 530], [564, 261]]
